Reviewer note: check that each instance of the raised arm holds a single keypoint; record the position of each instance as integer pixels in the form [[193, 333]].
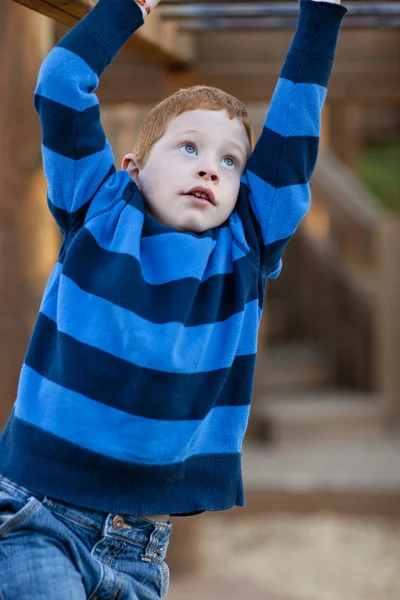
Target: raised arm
[[281, 165], [77, 158]]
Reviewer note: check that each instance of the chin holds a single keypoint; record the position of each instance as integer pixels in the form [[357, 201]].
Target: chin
[[194, 226]]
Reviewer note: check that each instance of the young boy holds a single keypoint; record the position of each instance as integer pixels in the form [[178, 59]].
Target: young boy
[[135, 392]]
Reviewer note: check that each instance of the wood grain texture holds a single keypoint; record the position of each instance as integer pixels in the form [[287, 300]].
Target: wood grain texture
[[28, 237], [158, 42]]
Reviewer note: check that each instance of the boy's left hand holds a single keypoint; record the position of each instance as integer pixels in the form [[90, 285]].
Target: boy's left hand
[[147, 5]]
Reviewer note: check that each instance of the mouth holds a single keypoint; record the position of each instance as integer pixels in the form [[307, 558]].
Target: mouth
[[202, 193]]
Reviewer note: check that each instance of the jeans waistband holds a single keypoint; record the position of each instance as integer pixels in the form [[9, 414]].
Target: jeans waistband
[[136, 529]]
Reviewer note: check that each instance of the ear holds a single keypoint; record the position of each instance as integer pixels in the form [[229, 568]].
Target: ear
[[130, 164]]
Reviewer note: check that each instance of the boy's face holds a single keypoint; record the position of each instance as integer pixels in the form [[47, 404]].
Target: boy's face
[[202, 153]]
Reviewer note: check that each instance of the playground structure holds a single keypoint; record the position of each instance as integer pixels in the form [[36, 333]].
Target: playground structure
[[328, 364]]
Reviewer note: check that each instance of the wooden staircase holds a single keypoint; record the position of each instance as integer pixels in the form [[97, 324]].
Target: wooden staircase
[[296, 399]]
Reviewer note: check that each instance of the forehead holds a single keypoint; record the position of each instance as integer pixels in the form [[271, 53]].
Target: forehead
[[215, 124]]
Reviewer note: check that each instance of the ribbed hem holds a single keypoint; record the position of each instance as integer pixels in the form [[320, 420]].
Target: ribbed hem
[[318, 28], [48, 465]]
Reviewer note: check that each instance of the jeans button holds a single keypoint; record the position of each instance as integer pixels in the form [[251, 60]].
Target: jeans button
[[117, 522]]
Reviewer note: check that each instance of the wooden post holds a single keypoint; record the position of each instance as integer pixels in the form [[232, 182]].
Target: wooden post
[[388, 322], [345, 131], [28, 238]]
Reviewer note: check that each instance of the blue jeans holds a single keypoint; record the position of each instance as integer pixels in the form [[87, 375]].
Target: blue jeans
[[50, 550]]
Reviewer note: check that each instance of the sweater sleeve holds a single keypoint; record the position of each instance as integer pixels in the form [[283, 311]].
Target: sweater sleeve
[[280, 167], [77, 158]]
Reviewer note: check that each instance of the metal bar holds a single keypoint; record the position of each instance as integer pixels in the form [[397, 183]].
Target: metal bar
[[276, 9], [205, 2], [266, 23]]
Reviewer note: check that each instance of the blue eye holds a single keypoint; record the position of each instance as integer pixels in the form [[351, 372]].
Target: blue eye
[[189, 149], [229, 162]]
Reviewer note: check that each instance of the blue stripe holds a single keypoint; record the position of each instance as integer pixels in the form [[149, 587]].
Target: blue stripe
[[68, 472], [289, 160], [136, 390], [68, 132], [72, 183], [273, 273], [67, 220], [110, 234], [169, 347], [307, 69], [297, 111], [50, 294], [125, 437], [67, 80], [279, 210], [216, 299]]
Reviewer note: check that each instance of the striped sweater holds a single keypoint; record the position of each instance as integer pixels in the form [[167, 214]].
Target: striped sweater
[[135, 392]]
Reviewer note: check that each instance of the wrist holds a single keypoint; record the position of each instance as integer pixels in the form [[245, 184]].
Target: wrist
[[146, 6]]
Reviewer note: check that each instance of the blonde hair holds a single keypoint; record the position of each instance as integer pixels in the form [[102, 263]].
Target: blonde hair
[[199, 96]]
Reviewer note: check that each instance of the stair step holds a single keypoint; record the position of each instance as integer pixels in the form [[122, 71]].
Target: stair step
[[200, 588], [349, 465], [332, 415], [294, 367]]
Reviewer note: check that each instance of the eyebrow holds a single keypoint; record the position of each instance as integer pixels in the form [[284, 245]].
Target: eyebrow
[[241, 150]]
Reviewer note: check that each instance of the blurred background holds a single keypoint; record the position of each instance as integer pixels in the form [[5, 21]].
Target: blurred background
[[322, 454]]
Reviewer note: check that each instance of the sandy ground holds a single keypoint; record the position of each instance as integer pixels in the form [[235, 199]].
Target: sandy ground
[[321, 557]]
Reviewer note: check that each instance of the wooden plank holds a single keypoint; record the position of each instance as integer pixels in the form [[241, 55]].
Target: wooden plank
[[29, 241], [388, 321], [157, 42]]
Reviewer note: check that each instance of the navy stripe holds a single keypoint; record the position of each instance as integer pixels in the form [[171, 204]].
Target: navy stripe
[[109, 24], [152, 227], [64, 218], [216, 299], [272, 253], [307, 69], [92, 52], [318, 28], [132, 389], [111, 431], [68, 132], [68, 220], [289, 160], [251, 225], [69, 473]]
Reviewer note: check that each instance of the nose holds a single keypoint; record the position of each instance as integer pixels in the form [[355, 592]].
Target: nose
[[209, 174]]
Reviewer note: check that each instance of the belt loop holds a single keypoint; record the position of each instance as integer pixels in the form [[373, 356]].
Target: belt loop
[[150, 551]]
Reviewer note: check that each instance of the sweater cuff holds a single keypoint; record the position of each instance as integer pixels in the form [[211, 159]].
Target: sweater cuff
[[318, 28], [113, 22]]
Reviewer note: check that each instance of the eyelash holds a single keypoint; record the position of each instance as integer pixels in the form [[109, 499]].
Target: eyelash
[[188, 143]]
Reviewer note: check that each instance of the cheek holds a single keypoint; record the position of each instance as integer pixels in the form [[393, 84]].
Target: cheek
[[233, 183], [151, 181]]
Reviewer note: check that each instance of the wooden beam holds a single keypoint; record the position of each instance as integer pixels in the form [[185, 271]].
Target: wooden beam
[[251, 82], [156, 41], [276, 9]]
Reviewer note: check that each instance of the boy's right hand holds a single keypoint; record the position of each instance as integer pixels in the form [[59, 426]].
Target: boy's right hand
[[147, 5]]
